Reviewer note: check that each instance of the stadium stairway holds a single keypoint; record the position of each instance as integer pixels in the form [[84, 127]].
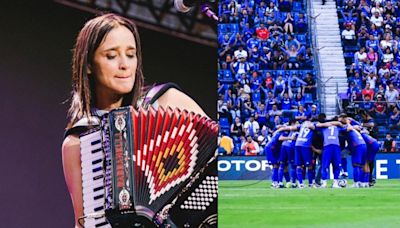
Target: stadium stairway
[[330, 53]]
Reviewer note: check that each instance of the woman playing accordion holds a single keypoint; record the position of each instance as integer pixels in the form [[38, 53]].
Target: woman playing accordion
[[107, 75]]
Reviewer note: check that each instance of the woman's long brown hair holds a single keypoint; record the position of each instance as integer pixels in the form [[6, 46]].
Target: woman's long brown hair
[[89, 39]]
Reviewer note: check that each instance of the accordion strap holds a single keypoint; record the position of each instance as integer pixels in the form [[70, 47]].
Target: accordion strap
[[156, 92], [150, 98]]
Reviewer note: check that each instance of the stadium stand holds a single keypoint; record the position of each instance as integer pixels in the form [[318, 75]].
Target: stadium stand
[[265, 67], [370, 39]]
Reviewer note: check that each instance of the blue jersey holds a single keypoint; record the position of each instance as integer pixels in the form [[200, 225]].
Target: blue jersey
[[304, 137], [331, 135], [286, 104], [274, 143], [369, 140], [355, 139], [290, 143]]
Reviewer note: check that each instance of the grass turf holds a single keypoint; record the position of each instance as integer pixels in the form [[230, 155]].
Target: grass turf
[[244, 204]]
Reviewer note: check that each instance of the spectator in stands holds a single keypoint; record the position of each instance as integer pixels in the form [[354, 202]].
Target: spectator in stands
[[274, 111], [348, 14], [377, 19], [237, 129], [372, 56], [310, 87], [294, 84], [289, 21], [381, 90], [360, 58], [286, 102], [298, 101], [285, 5], [380, 107], [388, 56], [349, 36], [262, 32], [241, 67], [238, 42], [391, 96], [389, 145], [313, 113], [367, 91], [265, 57], [262, 142], [292, 56], [362, 35], [278, 59], [269, 81], [394, 69], [271, 9], [240, 53], [301, 24], [364, 8], [225, 145], [251, 127], [368, 105], [280, 86], [271, 19], [261, 115], [377, 8], [250, 147], [372, 42], [301, 114], [389, 9], [389, 22], [277, 121], [352, 90], [383, 70], [394, 119], [387, 42], [357, 80]]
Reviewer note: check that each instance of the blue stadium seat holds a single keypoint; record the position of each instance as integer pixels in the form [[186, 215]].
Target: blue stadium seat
[[297, 7], [234, 28], [224, 123], [302, 39], [308, 98], [226, 131], [222, 28], [256, 97]]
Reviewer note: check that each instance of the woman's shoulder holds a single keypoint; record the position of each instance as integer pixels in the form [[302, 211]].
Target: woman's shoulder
[[175, 98], [170, 95]]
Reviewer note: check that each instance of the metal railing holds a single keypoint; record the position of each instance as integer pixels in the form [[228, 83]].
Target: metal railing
[[314, 48]]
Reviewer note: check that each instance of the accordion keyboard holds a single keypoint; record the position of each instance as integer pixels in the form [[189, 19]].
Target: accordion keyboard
[[93, 180]]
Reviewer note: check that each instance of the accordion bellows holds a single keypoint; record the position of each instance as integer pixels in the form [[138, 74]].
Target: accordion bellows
[[138, 162]]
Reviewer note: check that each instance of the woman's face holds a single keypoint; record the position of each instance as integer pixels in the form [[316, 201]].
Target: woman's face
[[115, 62]]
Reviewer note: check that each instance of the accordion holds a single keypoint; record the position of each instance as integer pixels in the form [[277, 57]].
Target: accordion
[[148, 168]]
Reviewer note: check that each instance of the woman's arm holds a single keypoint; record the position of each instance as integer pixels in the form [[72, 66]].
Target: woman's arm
[[71, 159]]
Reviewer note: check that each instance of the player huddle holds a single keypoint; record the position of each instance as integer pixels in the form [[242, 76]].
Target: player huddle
[[299, 145]]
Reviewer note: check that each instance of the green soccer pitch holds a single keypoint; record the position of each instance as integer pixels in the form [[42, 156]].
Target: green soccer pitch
[[245, 204]]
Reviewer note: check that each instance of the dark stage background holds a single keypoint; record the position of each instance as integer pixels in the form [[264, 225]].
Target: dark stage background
[[35, 43]]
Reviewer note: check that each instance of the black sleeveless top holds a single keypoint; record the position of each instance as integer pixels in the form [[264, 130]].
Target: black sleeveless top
[[150, 98]]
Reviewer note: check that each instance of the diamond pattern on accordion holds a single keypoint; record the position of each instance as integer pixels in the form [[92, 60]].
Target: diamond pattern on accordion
[[140, 160], [203, 195]]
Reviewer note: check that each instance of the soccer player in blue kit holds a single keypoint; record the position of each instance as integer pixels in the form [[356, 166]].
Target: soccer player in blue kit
[[303, 153], [357, 147], [331, 151], [272, 151], [372, 149], [287, 155]]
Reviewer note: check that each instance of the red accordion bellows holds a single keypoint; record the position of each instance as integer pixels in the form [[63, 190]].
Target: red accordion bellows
[[151, 156]]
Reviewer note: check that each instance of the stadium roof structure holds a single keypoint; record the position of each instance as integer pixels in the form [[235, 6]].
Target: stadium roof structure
[[157, 15]]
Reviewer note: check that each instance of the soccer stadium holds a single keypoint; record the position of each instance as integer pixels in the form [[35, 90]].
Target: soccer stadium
[[308, 107]]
